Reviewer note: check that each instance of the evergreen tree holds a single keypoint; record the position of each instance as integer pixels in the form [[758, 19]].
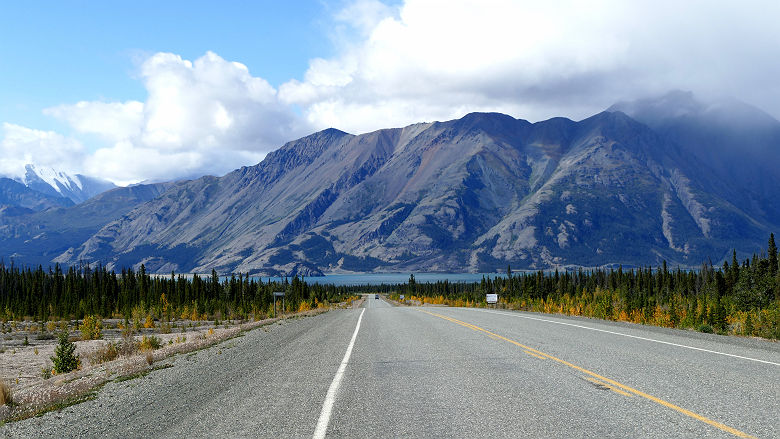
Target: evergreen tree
[[64, 360], [772, 253], [412, 284], [735, 266], [215, 290]]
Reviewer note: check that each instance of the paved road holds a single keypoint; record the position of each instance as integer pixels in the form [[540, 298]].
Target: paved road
[[444, 372]]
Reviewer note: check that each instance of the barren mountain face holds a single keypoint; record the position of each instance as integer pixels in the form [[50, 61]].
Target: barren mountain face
[[472, 194]]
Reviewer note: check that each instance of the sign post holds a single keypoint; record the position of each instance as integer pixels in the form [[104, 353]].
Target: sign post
[[491, 298], [278, 294]]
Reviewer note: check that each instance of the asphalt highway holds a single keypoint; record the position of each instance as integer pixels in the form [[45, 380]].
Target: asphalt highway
[[385, 371]]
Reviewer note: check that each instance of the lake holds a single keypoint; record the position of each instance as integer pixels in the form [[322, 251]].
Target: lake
[[393, 278]]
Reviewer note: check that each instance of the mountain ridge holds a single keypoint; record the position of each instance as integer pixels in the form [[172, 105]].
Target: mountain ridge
[[37, 237], [472, 194], [77, 187]]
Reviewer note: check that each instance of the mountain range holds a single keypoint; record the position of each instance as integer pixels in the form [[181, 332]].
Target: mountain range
[[669, 178], [37, 237], [42, 187]]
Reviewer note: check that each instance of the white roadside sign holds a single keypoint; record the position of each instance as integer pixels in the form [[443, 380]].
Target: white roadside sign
[[491, 298]]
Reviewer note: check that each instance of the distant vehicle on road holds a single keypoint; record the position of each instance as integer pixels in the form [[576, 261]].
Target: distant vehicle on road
[[376, 296]]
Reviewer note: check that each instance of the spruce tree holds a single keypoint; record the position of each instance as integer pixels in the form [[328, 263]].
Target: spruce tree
[[772, 252], [735, 265], [64, 360]]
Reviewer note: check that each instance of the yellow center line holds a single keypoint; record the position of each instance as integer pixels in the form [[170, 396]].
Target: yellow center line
[[614, 383], [602, 383], [534, 355]]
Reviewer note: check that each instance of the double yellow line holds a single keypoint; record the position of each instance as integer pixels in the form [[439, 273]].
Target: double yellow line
[[612, 384]]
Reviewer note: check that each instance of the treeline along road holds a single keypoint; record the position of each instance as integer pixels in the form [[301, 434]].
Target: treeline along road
[[737, 298]]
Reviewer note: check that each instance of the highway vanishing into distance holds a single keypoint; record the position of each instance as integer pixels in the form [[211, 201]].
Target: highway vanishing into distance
[[387, 371]]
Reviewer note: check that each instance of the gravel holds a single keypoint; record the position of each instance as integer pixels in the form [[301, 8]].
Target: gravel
[[256, 385]]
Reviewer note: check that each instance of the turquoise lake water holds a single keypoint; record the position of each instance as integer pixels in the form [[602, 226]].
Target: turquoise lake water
[[393, 278]]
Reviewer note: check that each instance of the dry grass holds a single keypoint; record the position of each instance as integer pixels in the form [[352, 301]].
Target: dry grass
[[47, 394], [107, 352], [6, 397], [128, 346]]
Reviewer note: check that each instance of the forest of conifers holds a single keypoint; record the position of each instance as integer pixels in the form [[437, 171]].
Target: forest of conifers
[[80, 291], [737, 298], [741, 298]]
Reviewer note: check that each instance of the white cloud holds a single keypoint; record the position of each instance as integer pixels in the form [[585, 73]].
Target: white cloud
[[111, 120], [437, 59], [421, 61], [125, 162], [210, 100], [207, 116], [363, 16], [20, 146]]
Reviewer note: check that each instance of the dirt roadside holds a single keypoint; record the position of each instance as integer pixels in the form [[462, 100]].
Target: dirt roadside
[[32, 394]]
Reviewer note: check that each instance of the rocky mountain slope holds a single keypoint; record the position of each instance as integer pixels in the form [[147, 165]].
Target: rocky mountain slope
[[738, 142], [472, 194], [16, 198], [34, 238]]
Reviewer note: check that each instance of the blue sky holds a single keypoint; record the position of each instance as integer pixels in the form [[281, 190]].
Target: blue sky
[[158, 90], [55, 52]]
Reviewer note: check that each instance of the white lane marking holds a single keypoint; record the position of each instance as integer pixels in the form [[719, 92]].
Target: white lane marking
[[624, 335], [330, 398]]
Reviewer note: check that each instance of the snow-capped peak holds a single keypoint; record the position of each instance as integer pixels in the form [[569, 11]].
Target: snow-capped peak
[[58, 180], [50, 181]]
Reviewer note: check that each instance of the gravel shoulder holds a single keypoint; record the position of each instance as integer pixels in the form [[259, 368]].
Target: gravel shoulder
[[267, 383]]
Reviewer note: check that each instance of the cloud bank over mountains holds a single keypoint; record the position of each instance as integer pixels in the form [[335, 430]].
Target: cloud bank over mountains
[[204, 116], [419, 61], [21, 145]]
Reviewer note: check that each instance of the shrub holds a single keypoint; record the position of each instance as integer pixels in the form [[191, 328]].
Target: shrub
[[304, 306], [6, 397], [128, 345], [91, 328], [64, 359], [26, 341], [149, 323], [108, 352], [149, 343], [705, 328], [149, 358], [45, 373]]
